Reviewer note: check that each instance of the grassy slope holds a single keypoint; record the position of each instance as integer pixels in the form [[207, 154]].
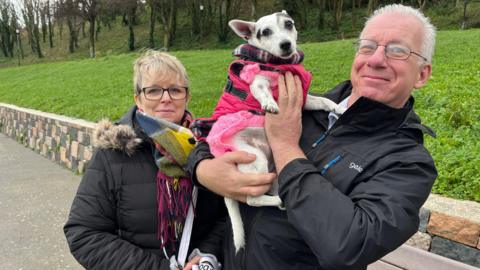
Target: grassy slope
[[96, 88], [114, 41]]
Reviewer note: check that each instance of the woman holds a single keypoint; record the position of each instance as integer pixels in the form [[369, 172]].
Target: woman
[[123, 215]]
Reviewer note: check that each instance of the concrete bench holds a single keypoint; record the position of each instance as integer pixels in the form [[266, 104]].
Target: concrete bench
[[410, 258]]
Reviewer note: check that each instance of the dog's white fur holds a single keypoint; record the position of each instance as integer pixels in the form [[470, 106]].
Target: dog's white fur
[[280, 40]]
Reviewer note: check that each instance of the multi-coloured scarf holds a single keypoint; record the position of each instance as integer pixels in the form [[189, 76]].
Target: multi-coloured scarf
[[174, 188]]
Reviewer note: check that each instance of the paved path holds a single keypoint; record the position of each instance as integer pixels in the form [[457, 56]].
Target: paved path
[[35, 197]]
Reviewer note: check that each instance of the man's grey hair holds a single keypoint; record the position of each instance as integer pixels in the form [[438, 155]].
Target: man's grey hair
[[160, 63], [428, 44]]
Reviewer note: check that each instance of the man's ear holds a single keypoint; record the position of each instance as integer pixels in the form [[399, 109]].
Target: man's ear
[[424, 75], [243, 29]]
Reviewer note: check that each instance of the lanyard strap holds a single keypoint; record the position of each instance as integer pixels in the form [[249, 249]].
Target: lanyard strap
[[187, 230]]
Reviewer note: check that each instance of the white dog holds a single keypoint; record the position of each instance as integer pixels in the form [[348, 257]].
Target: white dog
[[271, 50]]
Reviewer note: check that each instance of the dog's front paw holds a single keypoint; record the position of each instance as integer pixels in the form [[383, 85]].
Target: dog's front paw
[[270, 107]]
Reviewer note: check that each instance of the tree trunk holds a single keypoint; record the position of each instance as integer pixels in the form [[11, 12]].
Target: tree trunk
[[304, 16], [43, 14], [354, 17], [50, 27], [19, 41], [169, 13], [60, 29], [253, 13], [464, 21], [3, 45], [372, 5], [206, 18], [320, 14], [194, 8], [83, 28], [227, 9], [153, 18], [421, 4], [337, 6], [72, 32], [222, 20], [36, 35], [131, 35], [92, 37], [97, 31]]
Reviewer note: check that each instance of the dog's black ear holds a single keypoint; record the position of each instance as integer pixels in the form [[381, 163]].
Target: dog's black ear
[[243, 29]]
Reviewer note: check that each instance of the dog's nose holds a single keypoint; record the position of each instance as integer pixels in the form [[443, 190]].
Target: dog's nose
[[286, 45]]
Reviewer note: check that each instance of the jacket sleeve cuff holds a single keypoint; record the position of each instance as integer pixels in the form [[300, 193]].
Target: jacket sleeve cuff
[[201, 152], [292, 172]]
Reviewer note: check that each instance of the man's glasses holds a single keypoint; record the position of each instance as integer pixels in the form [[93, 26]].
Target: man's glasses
[[156, 93], [392, 50]]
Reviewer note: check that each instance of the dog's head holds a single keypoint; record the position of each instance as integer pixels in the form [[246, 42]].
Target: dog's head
[[274, 33]]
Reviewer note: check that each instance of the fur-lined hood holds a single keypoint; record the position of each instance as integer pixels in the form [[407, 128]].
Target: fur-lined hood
[[121, 137]]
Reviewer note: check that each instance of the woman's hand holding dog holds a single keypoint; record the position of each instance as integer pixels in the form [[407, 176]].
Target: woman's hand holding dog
[[221, 176], [284, 129]]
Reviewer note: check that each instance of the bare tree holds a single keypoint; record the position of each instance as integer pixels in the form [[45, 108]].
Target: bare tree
[[464, 20], [70, 11], [154, 5], [58, 16], [372, 5], [89, 11], [8, 22], [253, 12], [354, 17], [193, 7], [207, 11], [42, 12], [49, 22], [168, 15], [337, 11], [320, 6], [297, 10], [31, 18], [227, 10], [421, 4], [131, 11]]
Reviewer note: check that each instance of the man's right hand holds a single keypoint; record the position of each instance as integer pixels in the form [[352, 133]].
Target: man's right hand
[[221, 176]]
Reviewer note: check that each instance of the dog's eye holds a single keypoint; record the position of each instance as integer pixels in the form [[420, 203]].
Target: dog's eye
[[288, 25], [266, 32]]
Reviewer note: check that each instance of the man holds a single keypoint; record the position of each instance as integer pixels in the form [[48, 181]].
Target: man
[[352, 185]]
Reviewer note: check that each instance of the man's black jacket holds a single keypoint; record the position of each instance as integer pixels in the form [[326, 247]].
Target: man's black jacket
[[355, 198]]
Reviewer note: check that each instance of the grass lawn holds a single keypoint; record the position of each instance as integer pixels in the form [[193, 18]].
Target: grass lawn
[[96, 88]]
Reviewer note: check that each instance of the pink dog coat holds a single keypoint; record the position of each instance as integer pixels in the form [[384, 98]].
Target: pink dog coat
[[233, 110], [241, 99]]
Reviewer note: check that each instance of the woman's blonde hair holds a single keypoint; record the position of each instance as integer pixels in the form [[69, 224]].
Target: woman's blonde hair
[[160, 63]]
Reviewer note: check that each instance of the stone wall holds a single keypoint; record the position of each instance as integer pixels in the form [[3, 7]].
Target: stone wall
[[449, 236], [68, 142], [64, 140]]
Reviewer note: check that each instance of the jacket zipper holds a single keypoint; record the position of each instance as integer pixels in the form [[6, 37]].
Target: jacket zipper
[[330, 164]]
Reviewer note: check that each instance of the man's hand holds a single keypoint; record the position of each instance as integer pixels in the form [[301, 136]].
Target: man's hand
[[284, 129], [221, 176]]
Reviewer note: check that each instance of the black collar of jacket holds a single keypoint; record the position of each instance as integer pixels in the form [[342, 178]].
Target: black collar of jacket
[[129, 119], [367, 115]]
